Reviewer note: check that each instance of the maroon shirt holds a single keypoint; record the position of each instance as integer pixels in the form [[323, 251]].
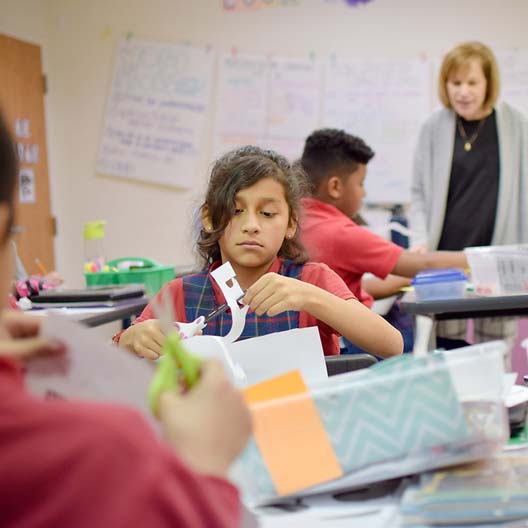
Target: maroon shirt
[[76, 464]]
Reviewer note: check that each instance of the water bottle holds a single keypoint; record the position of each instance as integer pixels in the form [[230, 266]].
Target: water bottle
[[94, 254], [399, 217]]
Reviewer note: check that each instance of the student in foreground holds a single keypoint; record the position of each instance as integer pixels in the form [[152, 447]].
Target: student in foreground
[[82, 464], [336, 165], [250, 218]]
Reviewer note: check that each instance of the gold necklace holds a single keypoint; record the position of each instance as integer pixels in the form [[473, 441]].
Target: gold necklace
[[468, 142]]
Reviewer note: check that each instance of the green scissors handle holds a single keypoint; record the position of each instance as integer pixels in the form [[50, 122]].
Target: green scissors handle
[[177, 370]]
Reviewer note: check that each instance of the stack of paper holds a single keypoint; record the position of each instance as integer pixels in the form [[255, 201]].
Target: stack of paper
[[494, 490]]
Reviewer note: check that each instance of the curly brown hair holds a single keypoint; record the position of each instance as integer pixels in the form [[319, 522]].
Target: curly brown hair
[[240, 169]]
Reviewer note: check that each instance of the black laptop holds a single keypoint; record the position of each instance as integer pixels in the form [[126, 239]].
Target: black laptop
[[93, 294]]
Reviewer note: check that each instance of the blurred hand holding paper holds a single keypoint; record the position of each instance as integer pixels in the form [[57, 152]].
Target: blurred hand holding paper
[[91, 369]]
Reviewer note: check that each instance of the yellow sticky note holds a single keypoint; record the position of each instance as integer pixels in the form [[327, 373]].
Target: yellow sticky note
[[290, 434]]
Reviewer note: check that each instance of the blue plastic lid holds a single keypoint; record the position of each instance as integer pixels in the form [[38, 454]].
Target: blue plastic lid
[[438, 275]]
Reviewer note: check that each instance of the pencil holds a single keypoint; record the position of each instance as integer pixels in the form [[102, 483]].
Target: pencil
[[41, 267]]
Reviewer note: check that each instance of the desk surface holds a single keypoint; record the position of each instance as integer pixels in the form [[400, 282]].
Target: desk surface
[[119, 311], [469, 307], [102, 315]]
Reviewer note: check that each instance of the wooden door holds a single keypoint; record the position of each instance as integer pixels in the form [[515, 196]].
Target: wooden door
[[22, 89]]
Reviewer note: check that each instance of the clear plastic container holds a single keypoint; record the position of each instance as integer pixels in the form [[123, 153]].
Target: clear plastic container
[[447, 283], [399, 417], [497, 270]]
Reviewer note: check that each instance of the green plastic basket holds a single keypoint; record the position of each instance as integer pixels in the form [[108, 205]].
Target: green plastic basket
[[152, 275]]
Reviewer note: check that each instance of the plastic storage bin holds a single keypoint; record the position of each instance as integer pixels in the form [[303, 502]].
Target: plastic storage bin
[[146, 272], [499, 270], [401, 416], [447, 283]]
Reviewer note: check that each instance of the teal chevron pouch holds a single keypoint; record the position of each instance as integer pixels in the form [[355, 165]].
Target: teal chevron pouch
[[397, 408]]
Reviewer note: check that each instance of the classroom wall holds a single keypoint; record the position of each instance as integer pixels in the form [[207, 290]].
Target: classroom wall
[[79, 39]]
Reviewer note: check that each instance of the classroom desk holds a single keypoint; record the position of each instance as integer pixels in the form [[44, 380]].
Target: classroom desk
[[91, 317], [123, 310], [471, 306]]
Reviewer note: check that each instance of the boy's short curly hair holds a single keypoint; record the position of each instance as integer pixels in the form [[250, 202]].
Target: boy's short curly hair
[[329, 152], [237, 170]]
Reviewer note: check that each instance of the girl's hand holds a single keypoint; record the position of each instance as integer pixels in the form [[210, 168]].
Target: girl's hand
[[274, 293], [145, 339]]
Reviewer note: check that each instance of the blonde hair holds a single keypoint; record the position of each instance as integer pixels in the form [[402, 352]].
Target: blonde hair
[[458, 58]]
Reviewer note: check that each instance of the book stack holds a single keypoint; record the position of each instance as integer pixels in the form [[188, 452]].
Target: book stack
[[490, 491]]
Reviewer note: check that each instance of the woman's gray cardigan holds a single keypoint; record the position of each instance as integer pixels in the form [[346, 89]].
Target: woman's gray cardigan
[[432, 170]]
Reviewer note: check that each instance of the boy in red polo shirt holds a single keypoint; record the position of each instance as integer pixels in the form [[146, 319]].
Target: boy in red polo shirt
[[336, 165]]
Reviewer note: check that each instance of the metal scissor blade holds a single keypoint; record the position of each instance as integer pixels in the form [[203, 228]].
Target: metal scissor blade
[[217, 311], [221, 309]]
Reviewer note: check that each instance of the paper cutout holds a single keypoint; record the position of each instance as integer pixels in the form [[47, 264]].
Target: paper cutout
[[207, 347], [290, 434], [225, 277]]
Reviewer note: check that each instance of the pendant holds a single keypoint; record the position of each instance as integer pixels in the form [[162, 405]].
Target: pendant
[[467, 146]]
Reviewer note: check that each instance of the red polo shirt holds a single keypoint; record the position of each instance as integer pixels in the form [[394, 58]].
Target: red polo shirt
[[80, 464], [350, 250]]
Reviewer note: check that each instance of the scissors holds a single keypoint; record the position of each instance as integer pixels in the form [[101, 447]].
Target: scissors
[[191, 329], [178, 369]]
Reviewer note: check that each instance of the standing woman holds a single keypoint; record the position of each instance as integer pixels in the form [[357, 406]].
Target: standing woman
[[470, 179]]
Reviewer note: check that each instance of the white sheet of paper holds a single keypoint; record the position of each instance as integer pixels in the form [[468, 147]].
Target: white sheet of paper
[[517, 395], [254, 360], [91, 369], [325, 511], [208, 347], [71, 312], [270, 355]]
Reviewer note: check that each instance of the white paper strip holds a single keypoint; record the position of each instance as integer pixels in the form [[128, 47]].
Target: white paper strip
[[225, 277]]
